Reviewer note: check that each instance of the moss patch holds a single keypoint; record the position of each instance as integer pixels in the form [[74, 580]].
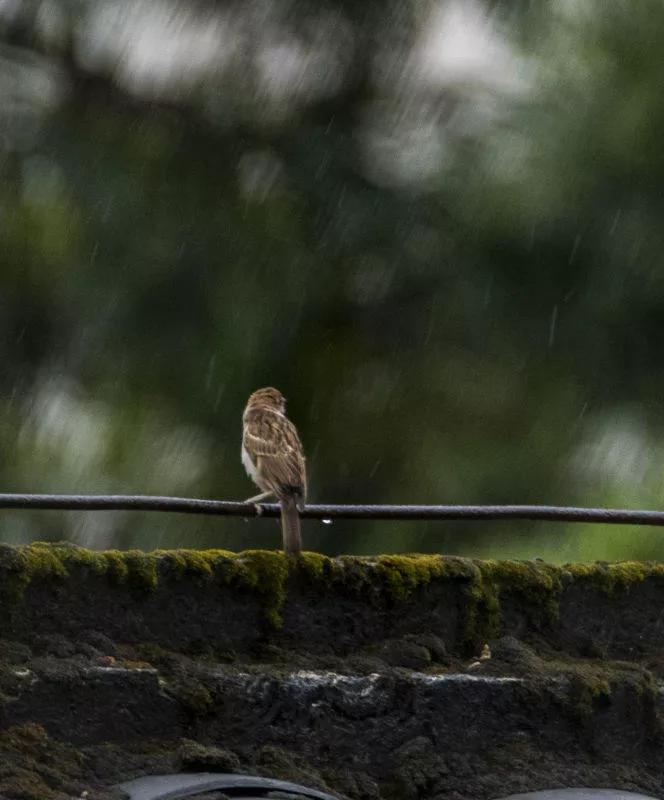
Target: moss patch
[[536, 583], [611, 578], [261, 572], [265, 573], [35, 767], [387, 580]]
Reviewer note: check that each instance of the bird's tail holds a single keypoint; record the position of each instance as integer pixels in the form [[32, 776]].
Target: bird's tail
[[291, 533]]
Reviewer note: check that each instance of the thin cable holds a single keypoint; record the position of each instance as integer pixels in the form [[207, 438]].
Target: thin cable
[[184, 505]]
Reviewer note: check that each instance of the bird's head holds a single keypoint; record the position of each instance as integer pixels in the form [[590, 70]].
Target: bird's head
[[267, 398]]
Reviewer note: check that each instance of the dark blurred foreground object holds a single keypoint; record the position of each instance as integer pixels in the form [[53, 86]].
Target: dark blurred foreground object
[[249, 787], [580, 794]]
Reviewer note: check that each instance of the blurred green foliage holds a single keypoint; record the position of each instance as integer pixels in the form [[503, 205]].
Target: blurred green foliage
[[435, 227]]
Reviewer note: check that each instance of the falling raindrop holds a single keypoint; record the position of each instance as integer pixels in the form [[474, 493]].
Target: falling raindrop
[[210, 370], [487, 291], [552, 326], [616, 220], [575, 247]]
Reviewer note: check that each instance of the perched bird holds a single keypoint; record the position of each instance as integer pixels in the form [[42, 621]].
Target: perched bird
[[273, 457]]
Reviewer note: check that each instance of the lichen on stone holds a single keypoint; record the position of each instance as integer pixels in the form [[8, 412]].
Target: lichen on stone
[[249, 657], [617, 576], [480, 587], [536, 582], [37, 767]]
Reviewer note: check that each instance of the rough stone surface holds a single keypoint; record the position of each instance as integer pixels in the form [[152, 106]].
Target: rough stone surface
[[367, 678]]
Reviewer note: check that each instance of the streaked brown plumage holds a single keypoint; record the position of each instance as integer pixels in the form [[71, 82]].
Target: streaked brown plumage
[[273, 457]]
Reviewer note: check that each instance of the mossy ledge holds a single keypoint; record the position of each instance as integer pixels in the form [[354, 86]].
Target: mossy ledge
[[117, 664], [220, 600]]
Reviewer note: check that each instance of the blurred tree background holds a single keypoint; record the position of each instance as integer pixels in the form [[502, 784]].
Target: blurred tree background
[[435, 226]]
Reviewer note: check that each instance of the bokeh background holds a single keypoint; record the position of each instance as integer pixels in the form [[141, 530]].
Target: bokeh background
[[436, 226]]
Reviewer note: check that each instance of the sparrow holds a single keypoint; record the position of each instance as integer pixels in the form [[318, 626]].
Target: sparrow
[[273, 456]]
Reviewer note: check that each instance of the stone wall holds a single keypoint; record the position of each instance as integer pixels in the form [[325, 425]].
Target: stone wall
[[391, 677]]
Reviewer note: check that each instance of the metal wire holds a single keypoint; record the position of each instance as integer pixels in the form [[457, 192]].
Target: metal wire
[[185, 505]]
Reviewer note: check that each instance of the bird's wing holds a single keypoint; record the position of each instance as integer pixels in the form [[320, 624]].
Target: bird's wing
[[272, 442]]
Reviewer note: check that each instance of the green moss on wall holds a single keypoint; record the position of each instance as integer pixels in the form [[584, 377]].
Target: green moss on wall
[[537, 583], [480, 587], [591, 685], [614, 577], [264, 572], [38, 768], [261, 572]]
